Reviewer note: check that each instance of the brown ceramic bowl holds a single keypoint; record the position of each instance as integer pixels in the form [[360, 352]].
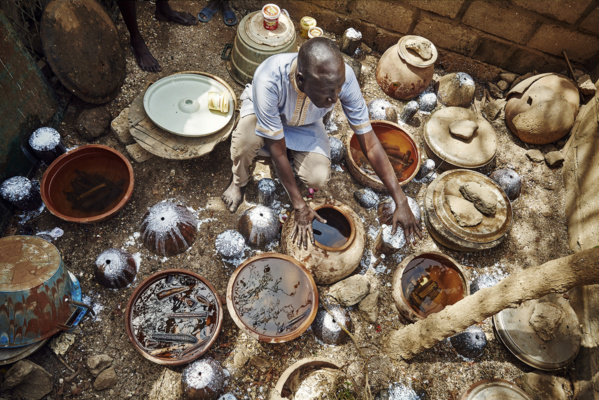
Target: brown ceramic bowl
[[173, 302], [88, 184], [396, 142], [272, 297]]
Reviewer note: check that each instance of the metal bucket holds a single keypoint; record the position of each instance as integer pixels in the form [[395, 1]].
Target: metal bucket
[[254, 44], [38, 297]]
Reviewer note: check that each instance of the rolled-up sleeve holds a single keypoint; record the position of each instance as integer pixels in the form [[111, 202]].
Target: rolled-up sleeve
[[353, 103], [266, 100]]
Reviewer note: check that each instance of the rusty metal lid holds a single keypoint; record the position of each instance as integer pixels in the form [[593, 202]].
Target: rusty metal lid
[[26, 262], [489, 233], [81, 44], [406, 50], [472, 153], [514, 328], [255, 30], [489, 389]]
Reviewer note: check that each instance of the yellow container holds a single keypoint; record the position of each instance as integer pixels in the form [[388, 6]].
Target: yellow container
[[306, 24]]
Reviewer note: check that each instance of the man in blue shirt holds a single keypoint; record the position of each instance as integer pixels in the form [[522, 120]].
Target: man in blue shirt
[[283, 109]]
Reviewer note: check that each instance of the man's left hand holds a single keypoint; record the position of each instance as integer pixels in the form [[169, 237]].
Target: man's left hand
[[403, 217]]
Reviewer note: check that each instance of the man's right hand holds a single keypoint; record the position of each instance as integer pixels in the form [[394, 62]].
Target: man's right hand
[[302, 226]]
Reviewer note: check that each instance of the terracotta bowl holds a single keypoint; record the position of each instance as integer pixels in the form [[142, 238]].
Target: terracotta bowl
[[272, 297], [88, 184], [396, 142]]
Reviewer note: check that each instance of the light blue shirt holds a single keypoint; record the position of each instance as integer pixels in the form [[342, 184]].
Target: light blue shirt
[[283, 111]]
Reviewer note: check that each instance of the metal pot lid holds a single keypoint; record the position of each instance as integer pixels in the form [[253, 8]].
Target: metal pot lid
[[179, 104], [514, 328], [472, 153], [255, 30], [490, 389], [489, 230], [26, 262], [81, 44], [406, 48]]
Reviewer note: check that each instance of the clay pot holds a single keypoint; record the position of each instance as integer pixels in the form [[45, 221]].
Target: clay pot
[[115, 268], [168, 229], [328, 264], [407, 68], [542, 108]]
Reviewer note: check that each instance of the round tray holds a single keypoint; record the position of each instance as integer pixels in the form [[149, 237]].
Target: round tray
[[513, 328], [179, 104], [495, 389], [150, 311], [443, 226]]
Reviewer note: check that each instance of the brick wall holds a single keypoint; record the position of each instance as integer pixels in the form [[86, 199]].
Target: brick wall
[[516, 35]]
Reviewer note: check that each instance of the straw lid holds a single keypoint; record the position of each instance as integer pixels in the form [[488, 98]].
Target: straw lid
[[417, 51]]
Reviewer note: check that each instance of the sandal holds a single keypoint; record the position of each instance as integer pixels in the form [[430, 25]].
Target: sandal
[[229, 15], [207, 14]]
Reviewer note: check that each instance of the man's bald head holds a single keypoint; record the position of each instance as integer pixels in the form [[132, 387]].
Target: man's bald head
[[320, 71]]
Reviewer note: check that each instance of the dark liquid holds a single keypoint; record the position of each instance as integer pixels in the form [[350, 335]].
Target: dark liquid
[[152, 313], [272, 297], [429, 284], [336, 232]]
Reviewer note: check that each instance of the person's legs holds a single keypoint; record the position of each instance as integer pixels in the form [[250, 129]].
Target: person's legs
[[245, 144], [164, 12], [312, 168], [144, 58], [228, 13], [206, 14]]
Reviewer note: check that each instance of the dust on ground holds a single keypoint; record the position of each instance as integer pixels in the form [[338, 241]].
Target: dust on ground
[[538, 234]]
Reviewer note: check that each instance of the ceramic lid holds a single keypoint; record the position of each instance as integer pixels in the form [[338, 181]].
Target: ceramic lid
[[420, 59], [463, 153], [81, 44], [179, 104], [517, 334], [491, 229], [26, 262], [284, 33], [494, 389]]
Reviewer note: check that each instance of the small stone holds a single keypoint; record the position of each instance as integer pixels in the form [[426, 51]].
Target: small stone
[[369, 308], [508, 77], [545, 319], [138, 153], [120, 127], [586, 86], [337, 150], [456, 89], [366, 197], [98, 363], [27, 380], [60, 344], [350, 291], [410, 109], [503, 85], [230, 244], [543, 386], [422, 47], [509, 181], [471, 343], [427, 102], [463, 129], [535, 155], [93, 123], [259, 362], [493, 109], [379, 109], [350, 41], [481, 196], [426, 168], [494, 90], [554, 159], [203, 380], [578, 74], [464, 212], [266, 191], [106, 379], [483, 281], [325, 325]]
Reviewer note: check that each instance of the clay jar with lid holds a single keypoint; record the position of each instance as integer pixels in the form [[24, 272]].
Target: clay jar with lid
[[407, 68], [329, 262]]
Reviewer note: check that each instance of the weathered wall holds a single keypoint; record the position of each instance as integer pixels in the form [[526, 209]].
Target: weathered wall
[[26, 103], [516, 35]]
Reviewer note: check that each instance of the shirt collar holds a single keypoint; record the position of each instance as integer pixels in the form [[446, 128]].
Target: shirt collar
[[292, 75]]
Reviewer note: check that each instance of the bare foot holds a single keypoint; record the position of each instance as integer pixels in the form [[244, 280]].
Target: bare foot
[[165, 13], [144, 58], [233, 196]]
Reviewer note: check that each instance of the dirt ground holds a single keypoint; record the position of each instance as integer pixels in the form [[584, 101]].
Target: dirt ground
[[538, 234]]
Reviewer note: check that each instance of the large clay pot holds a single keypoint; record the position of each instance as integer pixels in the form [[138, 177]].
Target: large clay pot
[[407, 68], [542, 108], [328, 264]]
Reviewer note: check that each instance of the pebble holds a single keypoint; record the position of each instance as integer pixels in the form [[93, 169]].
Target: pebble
[[325, 326], [350, 291], [27, 380], [106, 379], [503, 85], [535, 155], [369, 308], [379, 109], [98, 363], [509, 181], [93, 123], [426, 102], [337, 150], [471, 343], [483, 198], [366, 197], [463, 129], [456, 89], [493, 108], [508, 77], [554, 159], [410, 109], [230, 244], [494, 90], [266, 191], [586, 85]]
